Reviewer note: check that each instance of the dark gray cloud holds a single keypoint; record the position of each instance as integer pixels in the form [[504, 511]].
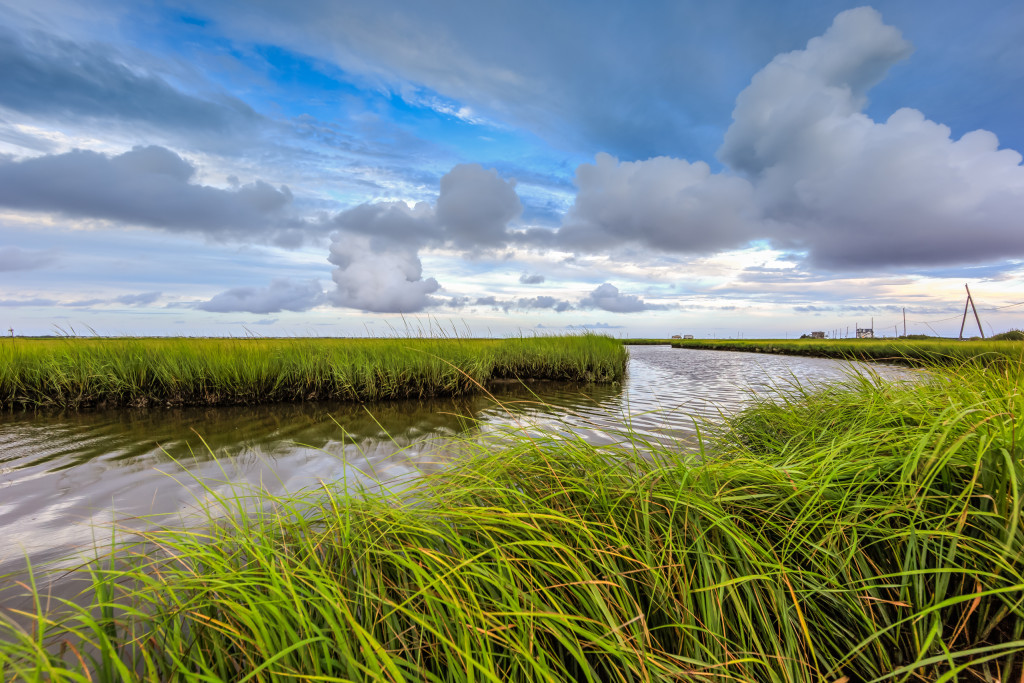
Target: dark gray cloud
[[13, 258], [142, 299], [557, 305], [18, 303], [457, 302], [608, 297], [149, 186], [281, 295], [41, 74], [473, 209], [531, 279], [526, 303], [660, 203], [394, 221], [475, 206]]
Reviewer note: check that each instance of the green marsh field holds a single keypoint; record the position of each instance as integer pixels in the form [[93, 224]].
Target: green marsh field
[[75, 372], [906, 351], [864, 530]]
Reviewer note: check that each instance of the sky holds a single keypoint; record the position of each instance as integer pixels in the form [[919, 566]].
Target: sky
[[324, 168]]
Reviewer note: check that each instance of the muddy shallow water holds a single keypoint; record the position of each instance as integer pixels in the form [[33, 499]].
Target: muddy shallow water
[[64, 479]]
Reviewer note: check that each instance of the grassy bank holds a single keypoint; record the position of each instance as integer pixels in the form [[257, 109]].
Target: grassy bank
[[909, 351], [868, 531], [646, 342], [74, 372]]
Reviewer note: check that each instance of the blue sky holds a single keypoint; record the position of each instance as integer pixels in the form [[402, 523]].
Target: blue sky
[[652, 169]]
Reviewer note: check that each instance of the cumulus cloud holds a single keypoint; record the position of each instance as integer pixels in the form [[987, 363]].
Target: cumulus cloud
[[281, 295], [149, 186], [395, 221], [476, 205], [659, 203], [379, 276], [531, 279], [787, 101], [608, 297], [858, 193], [809, 171], [14, 258], [473, 209], [376, 246]]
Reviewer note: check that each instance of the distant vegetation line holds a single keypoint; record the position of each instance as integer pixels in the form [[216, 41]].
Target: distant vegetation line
[[76, 372], [646, 342], [905, 351], [869, 531]]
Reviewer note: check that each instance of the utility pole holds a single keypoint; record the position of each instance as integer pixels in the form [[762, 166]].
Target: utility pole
[[904, 322], [976, 318], [970, 302]]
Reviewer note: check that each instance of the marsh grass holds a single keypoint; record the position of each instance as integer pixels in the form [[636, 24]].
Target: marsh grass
[[77, 372], [867, 530], [921, 352]]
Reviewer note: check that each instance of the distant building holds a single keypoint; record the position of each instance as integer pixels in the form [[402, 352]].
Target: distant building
[[687, 336], [817, 335], [865, 333], [676, 336]]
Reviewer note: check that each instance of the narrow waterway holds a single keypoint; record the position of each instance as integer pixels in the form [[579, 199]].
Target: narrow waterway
[[65, 480]]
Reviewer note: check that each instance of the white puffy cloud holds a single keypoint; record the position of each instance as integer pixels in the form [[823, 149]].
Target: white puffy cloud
[[379, 276], [809, 171], [778, 115], [857, 193], [281, 295], [376, 248], [531, 279], [608, 297]]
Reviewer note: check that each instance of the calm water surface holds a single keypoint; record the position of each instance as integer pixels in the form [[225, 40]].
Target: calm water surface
[[64, 479]]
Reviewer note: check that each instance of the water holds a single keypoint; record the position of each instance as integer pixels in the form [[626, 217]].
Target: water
[[66, 479]]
